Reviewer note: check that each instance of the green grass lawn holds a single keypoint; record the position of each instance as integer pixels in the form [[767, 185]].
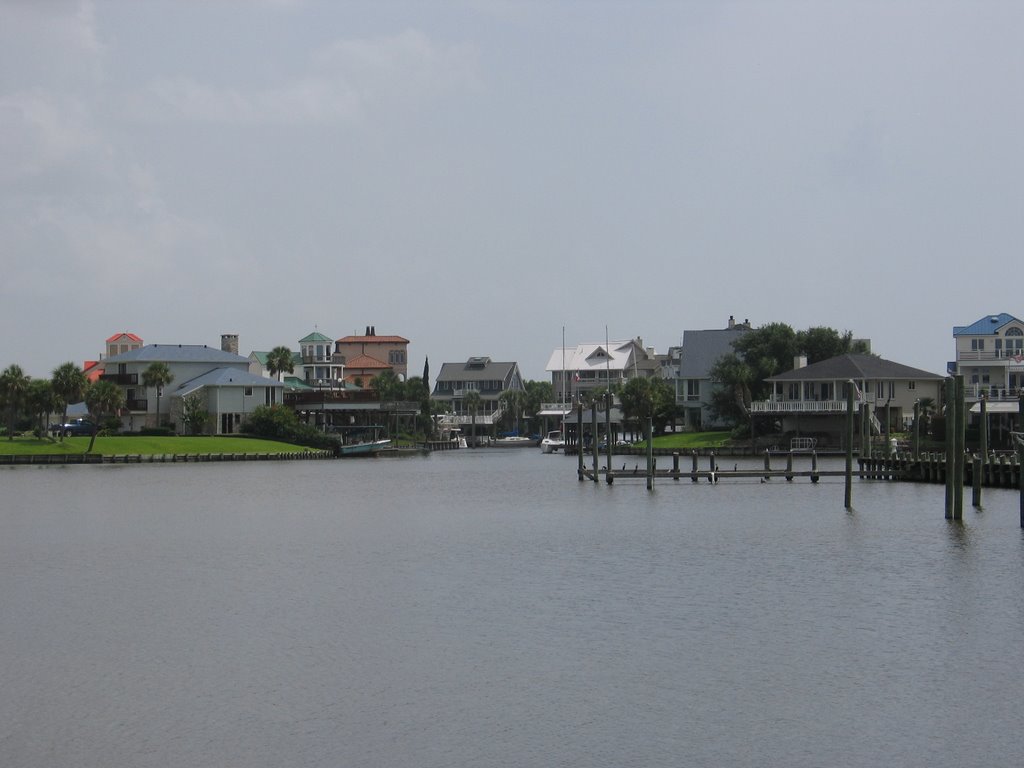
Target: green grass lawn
[[145, 445], [691, 440]]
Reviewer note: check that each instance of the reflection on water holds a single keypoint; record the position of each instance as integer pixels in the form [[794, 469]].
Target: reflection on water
[[486, 608]]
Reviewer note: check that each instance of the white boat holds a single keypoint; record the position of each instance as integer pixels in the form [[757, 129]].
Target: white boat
[[514, 442], [553, 442]]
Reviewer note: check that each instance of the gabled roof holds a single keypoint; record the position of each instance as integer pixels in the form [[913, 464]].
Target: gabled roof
[[856, 367], [701, 349], [224, 377], [259, 357], [473, 370], [364, 362], [989, 325], [615, 356], [129, 336], [177, 353], [373, 340], [314, 337]]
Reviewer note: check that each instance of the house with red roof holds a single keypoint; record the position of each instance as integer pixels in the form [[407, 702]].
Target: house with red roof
[[366, 357]]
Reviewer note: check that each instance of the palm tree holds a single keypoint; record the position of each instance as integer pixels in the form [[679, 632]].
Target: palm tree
[[104, 399], [514, 401], [41, 400], [279, 360], [471, 402], [69, 384], [388, 386], [157, 375], [13, 389]]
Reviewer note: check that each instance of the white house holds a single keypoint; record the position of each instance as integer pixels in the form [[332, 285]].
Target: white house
[[221, 377]]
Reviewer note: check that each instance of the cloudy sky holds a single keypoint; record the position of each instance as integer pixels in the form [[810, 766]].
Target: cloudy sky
[[477, 175]]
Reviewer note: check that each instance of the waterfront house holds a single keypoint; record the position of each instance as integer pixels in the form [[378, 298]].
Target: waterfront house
[[811, 399], [222, 377], [367, 356], [598, 366], [489, 379], [694, 386], [990, 356]]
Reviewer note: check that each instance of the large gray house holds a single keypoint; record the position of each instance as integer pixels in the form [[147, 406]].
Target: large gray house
[[700, 350], [222, 378]]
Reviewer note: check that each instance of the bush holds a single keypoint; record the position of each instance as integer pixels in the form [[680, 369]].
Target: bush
[[276, 422], [155, 432]]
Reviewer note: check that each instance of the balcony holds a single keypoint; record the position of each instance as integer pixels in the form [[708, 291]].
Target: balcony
[[993, 393], [122, 379], [800, 406], [137, 405]]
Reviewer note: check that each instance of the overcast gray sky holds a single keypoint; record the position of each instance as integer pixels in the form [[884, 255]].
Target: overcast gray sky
[[476, 175]]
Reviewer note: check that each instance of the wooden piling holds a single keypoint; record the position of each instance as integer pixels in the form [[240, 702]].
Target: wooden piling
[[949, 393], [979, 469], [789, 467], [650, 454], [848, 489], [814, 467], [959, 449], [579, 442], [595, 443], [693, 472], [767, 465], [675, 465]]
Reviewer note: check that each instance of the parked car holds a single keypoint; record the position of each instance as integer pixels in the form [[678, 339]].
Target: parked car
[[74, 427]]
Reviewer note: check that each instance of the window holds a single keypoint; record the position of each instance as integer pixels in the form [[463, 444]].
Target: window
[[977, 345], [247, 391], [693, 389], [911, 385]]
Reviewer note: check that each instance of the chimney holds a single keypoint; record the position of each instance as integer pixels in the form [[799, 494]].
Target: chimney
[[732, 322], [229, 343], [800, 361], [367, 331], [373, 330]]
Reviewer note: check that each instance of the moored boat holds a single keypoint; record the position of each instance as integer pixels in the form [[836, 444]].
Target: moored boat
[[553, 442]]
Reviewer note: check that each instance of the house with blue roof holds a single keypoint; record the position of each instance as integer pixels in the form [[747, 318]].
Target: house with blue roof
[[220, 376], [990, 355]]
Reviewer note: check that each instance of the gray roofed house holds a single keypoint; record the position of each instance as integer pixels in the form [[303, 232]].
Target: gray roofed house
[[481, 375], [231, 392], [812, 398], [700, 350]]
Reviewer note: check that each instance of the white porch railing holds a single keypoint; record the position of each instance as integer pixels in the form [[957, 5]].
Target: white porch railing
[[994, 394], [798, 406]]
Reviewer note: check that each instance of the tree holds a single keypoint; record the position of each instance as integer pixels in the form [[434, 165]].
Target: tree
[[538, 393], [280, 360], [763, 353], [13, 390], [648, 398], [471, 402], [388, 386], [157, 375], [41, 401], [513, 401], [104, 400], [194, 414], [69, 385]]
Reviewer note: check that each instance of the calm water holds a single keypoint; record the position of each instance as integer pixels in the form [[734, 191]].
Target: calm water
[[483, 608]]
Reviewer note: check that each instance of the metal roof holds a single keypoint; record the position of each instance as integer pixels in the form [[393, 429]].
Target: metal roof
[[989, 325], [177, 353], [225, 377]]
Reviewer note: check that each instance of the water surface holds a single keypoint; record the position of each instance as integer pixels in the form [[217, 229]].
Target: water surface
[[484, 608]]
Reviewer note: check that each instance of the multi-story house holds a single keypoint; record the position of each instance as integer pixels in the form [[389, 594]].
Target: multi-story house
[[221, 377], [365, 357], [481, 375], [990, 355], [694, 386], [597, 366]]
